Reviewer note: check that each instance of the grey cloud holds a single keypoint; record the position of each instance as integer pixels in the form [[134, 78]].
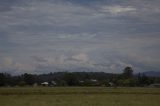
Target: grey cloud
[[39, 59], [78, 34]]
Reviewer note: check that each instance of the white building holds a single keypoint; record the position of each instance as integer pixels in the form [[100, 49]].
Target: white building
[[45, 83]]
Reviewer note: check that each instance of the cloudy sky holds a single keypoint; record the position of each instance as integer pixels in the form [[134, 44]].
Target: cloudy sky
[[41, 36]]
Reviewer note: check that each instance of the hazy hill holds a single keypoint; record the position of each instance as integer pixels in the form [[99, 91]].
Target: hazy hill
[[152, 73]]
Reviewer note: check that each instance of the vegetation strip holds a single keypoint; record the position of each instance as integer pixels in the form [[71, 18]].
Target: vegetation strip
[[69, 93]]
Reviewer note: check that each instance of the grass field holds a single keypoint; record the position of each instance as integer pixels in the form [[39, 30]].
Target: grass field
[[79, 96]]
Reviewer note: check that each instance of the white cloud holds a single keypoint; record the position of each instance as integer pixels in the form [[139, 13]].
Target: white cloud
[[7, 64], [81, 57], [115, 10]]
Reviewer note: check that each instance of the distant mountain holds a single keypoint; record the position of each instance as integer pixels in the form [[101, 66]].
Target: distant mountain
[[152, 73]]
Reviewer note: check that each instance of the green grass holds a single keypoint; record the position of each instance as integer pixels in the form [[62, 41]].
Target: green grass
[[79, 96]]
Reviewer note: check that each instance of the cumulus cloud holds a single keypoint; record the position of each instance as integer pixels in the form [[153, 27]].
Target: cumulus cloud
[[80, 57], [7, 64]]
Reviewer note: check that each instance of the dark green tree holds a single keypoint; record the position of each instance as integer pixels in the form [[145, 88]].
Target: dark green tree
[[29, 79], [2, 79], [5, 79], [143, 80], [71, 79], [128, 72]]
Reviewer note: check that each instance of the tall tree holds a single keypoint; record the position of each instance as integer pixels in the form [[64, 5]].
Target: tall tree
[[2, 79], [5, 79], [71, 79], [29, 79], [128, 72]]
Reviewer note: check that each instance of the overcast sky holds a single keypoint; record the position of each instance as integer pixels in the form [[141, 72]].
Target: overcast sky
[[41, 36]]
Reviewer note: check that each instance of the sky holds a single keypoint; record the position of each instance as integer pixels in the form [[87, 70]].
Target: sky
[[42, 36]]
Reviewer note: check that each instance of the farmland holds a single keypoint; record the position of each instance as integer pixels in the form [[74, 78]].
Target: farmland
[[79, 96]]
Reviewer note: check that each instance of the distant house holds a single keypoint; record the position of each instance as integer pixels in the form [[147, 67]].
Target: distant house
[[45, 84], [157, 85], [81, 81], [93, 80], [52, 83], [111, 84]]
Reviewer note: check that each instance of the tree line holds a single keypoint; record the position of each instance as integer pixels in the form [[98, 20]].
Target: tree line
[[126, 78]]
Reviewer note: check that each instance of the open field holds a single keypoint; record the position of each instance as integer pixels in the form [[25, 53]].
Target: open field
[[79, 96]]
